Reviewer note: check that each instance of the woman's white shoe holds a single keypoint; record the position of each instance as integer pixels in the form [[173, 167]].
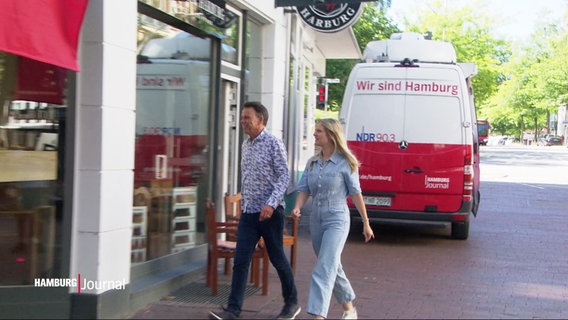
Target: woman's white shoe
[[349, 314]]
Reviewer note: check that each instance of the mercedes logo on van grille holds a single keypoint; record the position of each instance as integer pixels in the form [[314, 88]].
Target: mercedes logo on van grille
[[403, 145]]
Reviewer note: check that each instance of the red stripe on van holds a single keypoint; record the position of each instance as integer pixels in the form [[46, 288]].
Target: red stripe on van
[[423, 177]]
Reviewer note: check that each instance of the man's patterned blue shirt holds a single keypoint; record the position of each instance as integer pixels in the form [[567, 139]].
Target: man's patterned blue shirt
[[264, 170]]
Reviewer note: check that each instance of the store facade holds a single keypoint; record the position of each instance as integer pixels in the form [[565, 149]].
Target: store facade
[[105, 177]]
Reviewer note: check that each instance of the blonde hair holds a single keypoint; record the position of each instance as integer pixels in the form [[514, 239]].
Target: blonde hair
[[335, 133]]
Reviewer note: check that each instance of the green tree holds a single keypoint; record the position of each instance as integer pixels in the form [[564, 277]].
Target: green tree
[[468, 28], [536, 83]]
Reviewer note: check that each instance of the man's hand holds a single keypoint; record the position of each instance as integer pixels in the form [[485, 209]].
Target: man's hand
[[266, 213]]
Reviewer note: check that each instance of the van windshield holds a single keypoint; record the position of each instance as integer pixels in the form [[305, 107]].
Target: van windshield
[[414, 118]]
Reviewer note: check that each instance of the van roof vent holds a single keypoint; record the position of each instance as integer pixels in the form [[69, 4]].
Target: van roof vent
[[409, 45]]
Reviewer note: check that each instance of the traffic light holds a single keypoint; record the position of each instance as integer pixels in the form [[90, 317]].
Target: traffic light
[[321, 99]]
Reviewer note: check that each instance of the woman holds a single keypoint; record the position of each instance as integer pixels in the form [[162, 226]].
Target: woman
[[329, 177]]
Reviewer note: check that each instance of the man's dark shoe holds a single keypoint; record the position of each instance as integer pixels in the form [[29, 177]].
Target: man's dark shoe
[[289, 312], [222, 314]]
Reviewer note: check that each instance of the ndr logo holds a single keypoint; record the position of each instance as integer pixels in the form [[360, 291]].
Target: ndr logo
[[365, 136], [374, 137]]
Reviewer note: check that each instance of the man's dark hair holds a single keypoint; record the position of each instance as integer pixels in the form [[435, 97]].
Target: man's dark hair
[[260, 110]]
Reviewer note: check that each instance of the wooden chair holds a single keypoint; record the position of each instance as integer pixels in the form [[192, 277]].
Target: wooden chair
[[291, 239], [233, 212], [223, 249], [233, 208]]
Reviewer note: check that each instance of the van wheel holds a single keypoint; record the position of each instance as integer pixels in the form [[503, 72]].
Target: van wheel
[[460, 230]]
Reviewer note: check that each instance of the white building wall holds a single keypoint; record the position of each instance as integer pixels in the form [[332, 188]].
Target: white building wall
[[274, 65], [262, 10], [104, 146]]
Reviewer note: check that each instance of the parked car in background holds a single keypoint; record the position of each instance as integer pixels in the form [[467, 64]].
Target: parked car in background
[[549, 140], [553, 141], [506, 141]]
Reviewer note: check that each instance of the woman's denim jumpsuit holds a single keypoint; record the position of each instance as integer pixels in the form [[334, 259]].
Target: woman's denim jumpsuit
[[329, 183]]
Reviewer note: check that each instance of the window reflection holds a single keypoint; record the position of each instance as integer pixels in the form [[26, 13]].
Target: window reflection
[[224, 22], [231, 40], [172, 91]]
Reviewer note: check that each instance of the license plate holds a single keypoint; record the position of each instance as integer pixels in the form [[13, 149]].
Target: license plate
[[377, 201]]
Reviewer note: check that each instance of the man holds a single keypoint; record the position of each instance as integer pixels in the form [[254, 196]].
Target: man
[[265, 177]]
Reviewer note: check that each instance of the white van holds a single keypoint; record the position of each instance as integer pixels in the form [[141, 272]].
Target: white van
[[409, 117]]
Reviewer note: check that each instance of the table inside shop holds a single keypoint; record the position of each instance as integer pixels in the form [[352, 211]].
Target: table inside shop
[[29, 171], [27, 165]]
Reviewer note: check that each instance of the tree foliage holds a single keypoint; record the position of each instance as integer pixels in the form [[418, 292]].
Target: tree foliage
[[469, 30], [536, 83]]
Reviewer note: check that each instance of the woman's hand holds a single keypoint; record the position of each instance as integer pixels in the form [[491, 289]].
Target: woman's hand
[[300, 200], [360, 205], [296, 213], [368, 232]]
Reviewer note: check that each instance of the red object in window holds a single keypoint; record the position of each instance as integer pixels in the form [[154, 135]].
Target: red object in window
[[43, 30], [41, 82]]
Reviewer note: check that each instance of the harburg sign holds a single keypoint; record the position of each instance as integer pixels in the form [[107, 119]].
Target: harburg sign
[[330, 17]]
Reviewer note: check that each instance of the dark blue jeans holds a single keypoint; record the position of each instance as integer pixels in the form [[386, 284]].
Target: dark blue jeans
[[249, 232]]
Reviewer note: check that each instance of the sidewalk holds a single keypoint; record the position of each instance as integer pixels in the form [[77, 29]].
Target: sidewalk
[[194, 301], [420, 273]]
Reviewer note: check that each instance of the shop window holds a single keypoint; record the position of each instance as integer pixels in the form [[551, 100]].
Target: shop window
[[172, 124], [253, 61], [230, 41], [33, 106]]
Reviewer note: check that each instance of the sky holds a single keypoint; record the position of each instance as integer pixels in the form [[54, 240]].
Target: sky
[[517, 16]]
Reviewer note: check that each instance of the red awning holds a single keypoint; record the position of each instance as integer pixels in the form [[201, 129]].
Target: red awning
[[43, 30]]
